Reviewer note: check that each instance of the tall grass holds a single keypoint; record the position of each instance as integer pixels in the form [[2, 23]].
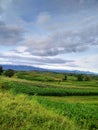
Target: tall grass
[[21, 112]]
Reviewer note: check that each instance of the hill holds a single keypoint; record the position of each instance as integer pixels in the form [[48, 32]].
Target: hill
[[30, 68]]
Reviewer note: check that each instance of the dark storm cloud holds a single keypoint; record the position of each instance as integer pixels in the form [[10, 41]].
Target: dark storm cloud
[[10, 35]]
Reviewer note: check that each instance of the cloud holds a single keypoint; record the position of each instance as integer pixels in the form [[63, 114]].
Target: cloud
[[64, 42], [10, 35], [14, 58], [24, 57]]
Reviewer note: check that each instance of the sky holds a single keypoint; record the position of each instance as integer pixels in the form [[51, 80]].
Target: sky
[[52, 34]]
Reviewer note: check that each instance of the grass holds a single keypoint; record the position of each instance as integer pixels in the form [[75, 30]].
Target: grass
[[23, 113], [56, 80], [40, 76], [33, 88], [43, 101], [75, 99], [86, 116]]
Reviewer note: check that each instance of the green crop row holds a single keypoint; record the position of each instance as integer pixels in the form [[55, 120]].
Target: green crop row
[[86, 116], [20, 87]]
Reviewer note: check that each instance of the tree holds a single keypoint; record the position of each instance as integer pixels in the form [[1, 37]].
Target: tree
[[80, 77], [65, 77], [1, 70], [87, 78], [9, 72]]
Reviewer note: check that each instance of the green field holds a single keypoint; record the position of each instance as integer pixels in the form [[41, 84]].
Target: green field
[[45, 101]]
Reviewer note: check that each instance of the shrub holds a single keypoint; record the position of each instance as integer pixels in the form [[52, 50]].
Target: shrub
[[80, 77], [9, 72], [87, 78], [65, 77]]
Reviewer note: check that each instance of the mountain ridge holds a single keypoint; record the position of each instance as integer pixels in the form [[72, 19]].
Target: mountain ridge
[[33, 68]]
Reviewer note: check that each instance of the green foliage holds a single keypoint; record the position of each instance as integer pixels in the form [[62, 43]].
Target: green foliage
[[54, 77], [21, 112], [40, 76], [9, 72], [84, 77], [65, 77], [80, 77], [95, 77], [87, 78], [1, 70], [21, 109], [29, 88], [4, 85], [86, 116]]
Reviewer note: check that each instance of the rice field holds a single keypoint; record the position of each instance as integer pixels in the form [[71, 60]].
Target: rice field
[[48, 103]]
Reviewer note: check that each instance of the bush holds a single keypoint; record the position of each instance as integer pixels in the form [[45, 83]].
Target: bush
[[80, 77], [9, 72], [84, 77], [87, 78], [65, 77]]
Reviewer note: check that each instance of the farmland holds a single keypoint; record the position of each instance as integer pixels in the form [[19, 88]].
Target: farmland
[[45, 101]]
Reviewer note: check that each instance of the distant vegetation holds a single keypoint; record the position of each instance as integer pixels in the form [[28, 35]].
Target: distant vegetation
[[48, 101], [9, 73], [85, 77]]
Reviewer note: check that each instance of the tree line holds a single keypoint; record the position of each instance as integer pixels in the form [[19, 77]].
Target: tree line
[[80, 77]]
